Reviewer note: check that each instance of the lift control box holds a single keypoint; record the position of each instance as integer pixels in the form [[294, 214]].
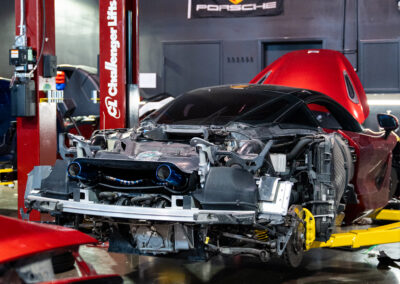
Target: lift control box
[[23, 58], [49, 66], [23, 99]]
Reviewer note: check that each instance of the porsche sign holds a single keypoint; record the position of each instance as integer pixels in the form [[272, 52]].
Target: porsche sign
[[234, 8]]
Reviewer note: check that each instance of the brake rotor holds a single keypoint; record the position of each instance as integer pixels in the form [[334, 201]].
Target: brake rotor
[[294, 251]]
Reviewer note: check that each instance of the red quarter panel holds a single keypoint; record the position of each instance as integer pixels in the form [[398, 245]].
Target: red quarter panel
[[374, 161]]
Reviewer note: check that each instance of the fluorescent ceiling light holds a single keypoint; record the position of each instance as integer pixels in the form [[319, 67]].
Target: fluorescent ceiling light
[[384, 102]]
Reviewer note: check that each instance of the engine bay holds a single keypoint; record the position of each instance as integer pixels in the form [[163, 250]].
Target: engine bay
[[199, 190]]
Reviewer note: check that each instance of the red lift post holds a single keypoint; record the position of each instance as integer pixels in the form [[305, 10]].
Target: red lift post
[[119, 73], [119, 68], [36, 136]]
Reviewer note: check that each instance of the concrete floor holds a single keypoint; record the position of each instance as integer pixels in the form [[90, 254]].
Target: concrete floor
[[319, 265], [9, 201]]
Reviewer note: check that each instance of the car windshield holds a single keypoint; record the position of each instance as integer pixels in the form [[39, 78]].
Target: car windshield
[[220, 106]]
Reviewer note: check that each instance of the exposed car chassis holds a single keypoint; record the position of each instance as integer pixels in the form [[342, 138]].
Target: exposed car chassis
[[197, 191]]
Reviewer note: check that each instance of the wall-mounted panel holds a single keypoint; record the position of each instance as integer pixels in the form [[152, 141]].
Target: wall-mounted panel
[[240, 62], [378, 19], [191, 65], [379, 66]]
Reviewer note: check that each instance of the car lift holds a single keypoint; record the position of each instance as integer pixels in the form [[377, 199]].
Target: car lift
[[357, 238], [7, 176], [37, 140], [118, 64]]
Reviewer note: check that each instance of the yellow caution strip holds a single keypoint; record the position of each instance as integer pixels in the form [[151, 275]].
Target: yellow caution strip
[[46, 100]]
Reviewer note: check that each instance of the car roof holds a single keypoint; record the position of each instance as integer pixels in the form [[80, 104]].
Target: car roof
[[322, 71], [304, 95], [242, 88], [300, 93]]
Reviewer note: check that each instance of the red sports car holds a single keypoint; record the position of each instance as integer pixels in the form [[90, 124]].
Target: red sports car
[[33, 253], [225, 170], [222, 170], [322, 70], [329, 72]]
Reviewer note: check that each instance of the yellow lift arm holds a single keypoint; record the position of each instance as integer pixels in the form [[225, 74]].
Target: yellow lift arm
[[386, 214], [357, 238], [5, 181]]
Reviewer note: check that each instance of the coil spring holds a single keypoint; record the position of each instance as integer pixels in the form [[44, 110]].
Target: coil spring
[[261, 235]]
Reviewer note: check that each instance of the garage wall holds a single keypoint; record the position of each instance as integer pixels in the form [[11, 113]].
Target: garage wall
[[379, 47], [7, 32], [244, 42], [77, 33], [379, 19]]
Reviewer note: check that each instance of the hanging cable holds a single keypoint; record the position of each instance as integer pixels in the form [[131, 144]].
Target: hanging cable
[[43, 37], [22, 20]]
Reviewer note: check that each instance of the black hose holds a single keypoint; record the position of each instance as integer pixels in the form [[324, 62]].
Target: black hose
[[173, 191], [285, 144], [299, 146], [142, 198]]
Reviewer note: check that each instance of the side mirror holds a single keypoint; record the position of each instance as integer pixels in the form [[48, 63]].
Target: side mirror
[[388, 122]]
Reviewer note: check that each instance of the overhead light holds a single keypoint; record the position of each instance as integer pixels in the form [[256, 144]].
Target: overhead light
[[384, 102]]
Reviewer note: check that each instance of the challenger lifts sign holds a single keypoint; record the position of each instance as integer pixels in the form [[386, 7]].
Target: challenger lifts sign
[[112, 73], [233, 8]]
